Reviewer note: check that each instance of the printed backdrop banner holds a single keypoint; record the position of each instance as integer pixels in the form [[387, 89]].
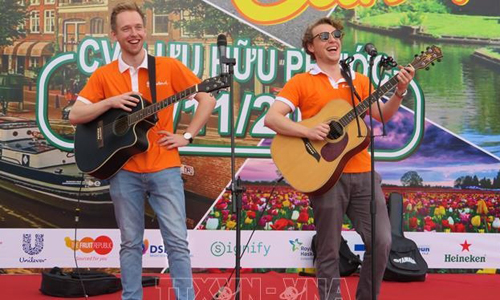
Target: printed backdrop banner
[[45, 248], [440, 152]]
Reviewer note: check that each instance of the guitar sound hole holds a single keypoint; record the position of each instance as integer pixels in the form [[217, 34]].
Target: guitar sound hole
[[120, 126], [336, 130]]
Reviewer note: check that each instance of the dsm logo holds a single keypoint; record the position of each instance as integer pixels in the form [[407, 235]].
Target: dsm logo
[[31, 248]]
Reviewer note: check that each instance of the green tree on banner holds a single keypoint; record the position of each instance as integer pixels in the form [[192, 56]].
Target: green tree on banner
[[12, 17], [411, 178], [201, 19]]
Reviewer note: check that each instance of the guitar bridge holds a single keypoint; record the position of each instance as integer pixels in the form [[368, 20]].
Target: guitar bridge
[[310, 149], [99, 134]]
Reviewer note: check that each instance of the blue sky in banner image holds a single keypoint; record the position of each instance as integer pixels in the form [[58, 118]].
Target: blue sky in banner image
[[441, 157]]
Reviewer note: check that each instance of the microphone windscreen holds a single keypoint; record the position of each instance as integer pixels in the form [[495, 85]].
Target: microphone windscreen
[[221, 40]]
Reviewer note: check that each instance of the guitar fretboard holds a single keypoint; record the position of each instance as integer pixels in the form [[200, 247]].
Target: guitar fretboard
[[365, 104], [155, 107]]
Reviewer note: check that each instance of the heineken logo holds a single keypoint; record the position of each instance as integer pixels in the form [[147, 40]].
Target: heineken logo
[[470, 258], [465, 246], [464, 258]]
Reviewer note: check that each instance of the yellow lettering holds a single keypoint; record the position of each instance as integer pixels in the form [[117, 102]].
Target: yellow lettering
[[282, 11], [348, 4], [270, 13], [394, 2]]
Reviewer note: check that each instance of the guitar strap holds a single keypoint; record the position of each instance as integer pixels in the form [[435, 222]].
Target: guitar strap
[[152, 81]]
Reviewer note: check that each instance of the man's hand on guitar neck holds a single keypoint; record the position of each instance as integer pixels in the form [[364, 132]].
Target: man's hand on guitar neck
[[405, 76], [171, 140]]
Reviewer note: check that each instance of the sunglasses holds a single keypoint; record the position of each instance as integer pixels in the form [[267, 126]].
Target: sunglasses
[[324, 36]]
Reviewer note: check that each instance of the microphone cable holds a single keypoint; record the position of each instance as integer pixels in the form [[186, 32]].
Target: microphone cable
[[345, 70], [77, 219], [257, 219]]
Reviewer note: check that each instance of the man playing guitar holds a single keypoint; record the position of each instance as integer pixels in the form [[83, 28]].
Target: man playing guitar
[[351, 195], [156, 171]]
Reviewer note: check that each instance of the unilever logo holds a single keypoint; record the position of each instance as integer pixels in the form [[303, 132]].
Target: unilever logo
[[295, 244], [30, 249]]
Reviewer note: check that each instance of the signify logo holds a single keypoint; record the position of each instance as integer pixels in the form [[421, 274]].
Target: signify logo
[[32, 249], [461, 258], [219, 248]]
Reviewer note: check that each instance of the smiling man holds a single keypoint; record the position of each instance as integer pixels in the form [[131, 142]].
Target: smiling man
[[351, 195], [155, 172]]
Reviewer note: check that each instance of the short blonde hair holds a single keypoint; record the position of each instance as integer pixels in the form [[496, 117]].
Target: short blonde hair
[[121, 7]]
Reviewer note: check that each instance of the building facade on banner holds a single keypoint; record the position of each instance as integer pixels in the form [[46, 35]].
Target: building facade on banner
[[55, 26]]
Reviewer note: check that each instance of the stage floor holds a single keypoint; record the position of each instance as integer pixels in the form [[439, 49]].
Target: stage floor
[[286, 286]]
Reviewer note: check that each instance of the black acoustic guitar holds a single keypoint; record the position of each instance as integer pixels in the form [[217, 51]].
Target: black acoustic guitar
[[105, 144]]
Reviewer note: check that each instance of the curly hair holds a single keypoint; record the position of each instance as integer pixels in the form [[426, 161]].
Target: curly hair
[[308, 36]]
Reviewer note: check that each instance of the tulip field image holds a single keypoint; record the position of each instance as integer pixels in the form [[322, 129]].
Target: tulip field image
[[455, 191]]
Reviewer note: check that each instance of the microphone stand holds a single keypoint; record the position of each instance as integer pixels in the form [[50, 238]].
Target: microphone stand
[[385, 63], [373, 208], [227, 69]]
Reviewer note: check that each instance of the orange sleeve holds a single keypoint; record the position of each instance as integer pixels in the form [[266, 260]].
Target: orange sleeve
[[94, 89], [291, 91]]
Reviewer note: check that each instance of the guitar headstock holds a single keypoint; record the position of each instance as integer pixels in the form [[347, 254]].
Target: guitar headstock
[[427, 57], [214, 84]]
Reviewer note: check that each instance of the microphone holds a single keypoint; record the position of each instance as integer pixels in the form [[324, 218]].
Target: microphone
[[370, 49], [221, 46]]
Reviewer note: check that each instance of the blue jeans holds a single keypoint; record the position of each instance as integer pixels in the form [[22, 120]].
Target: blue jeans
[[166, 197]]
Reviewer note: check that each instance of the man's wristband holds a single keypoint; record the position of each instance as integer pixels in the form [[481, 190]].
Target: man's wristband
[[400, 95]]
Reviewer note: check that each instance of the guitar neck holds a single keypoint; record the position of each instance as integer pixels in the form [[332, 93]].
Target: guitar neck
[[365, 104], [156, 107]]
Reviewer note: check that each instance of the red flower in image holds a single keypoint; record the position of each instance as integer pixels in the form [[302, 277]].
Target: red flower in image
[[459, 227], [413, 223], [251, 214], [303, 216], [281, 224]]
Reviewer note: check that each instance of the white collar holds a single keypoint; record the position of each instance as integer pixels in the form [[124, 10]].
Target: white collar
[[123, 66], [315, 70]]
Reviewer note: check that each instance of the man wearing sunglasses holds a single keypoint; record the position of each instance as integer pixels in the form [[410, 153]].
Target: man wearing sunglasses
[[351, 195]]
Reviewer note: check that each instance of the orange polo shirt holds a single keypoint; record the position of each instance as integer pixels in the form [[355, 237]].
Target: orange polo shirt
[[311, 91], [117, 78]]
